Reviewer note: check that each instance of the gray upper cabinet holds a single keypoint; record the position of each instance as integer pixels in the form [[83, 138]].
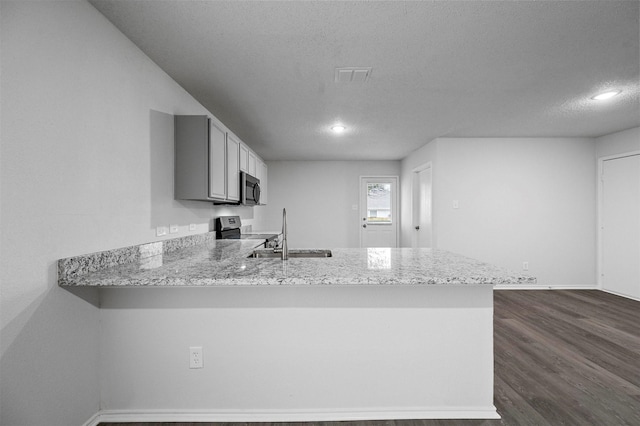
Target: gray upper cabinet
[[200, 159], [209, 159]]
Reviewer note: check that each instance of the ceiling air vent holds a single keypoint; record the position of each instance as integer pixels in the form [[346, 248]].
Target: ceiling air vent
[[352, 74]]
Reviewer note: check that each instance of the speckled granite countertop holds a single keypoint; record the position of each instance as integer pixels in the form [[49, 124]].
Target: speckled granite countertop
[[204, 261]]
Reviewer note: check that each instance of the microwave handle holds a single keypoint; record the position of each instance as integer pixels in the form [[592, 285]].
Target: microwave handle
[[256, 193]]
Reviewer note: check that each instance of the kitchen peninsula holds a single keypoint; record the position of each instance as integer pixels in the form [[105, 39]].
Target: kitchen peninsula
[[364, 334]]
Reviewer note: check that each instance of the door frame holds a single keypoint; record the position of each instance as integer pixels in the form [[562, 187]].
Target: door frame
[[600, 200], [395, 200], [415, 193]]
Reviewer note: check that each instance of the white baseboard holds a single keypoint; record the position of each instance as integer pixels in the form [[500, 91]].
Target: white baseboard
[[560, 287], [544, 287], [186, 416], [626, 296], [93, 421]]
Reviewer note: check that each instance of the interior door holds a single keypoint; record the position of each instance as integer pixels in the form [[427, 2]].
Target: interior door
[[422, 223], [621, 225], [379, 211]]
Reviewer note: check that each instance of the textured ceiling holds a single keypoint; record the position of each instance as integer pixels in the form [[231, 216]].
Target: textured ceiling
[[446, 68]]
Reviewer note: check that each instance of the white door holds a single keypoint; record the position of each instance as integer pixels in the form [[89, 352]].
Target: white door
[[621, 225], [422, 206], [379, 211]]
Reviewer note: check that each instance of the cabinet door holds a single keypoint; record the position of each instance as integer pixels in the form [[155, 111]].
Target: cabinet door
[[233, 174], [252, 164], [244, 158], [191, 168], [217, 162]]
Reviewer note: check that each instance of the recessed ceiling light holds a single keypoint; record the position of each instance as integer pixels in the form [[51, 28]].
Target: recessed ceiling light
[[606, 95], [338, 128]]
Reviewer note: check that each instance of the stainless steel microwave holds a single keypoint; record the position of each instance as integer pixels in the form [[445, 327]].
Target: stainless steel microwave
[[250, 189]]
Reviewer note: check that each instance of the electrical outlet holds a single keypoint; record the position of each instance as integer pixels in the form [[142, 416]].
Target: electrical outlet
[[525, 266], [161, 230], [192, 227], [195, 357], [173, 229]]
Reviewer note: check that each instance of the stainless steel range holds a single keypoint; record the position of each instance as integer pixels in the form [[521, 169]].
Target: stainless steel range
[[228, 228]]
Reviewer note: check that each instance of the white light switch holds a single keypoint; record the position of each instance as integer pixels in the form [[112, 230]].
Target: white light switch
[[161, 230], [354, 207], [456, 204], [173, 229]]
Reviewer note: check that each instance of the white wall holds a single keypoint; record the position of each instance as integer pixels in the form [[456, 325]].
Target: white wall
[[319, 196], [520, 200], [618, 143], [86, 163]]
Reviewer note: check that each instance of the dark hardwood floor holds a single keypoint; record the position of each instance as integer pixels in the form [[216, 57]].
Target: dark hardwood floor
[[562, 357]]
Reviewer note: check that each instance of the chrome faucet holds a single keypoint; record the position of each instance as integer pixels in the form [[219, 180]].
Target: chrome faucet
[[285, 249], [283, 246]]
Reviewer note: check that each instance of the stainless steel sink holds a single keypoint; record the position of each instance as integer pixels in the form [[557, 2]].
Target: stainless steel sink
[[297, 253]]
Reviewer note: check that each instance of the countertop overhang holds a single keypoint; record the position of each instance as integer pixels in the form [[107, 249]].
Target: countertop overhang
[[202, 261]]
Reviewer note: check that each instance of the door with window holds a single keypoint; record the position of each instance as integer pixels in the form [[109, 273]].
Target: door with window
[[379, 211]]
